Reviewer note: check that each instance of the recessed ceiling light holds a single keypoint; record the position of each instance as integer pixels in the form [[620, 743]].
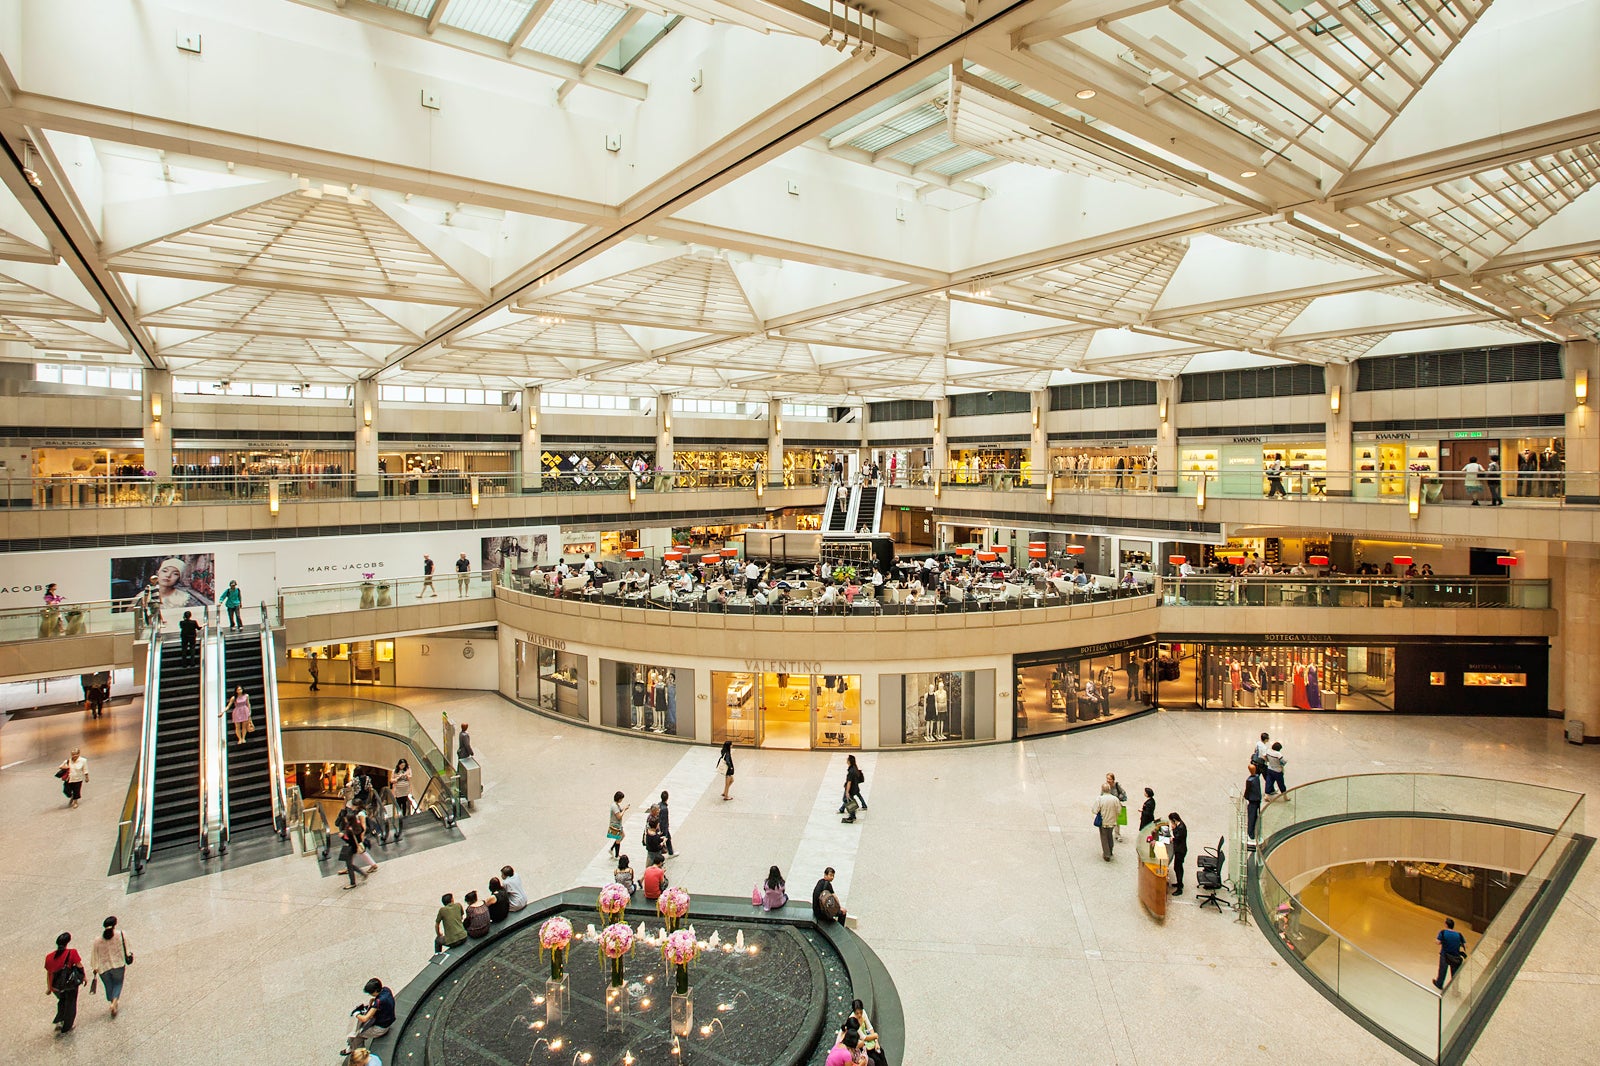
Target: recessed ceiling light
[[1351, 225], [1085, 94], [1475, 288], [1516, 307], [1247, 173], [1424, 260]]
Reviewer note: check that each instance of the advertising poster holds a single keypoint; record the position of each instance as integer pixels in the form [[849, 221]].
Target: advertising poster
[[184, 581], [516, 553]]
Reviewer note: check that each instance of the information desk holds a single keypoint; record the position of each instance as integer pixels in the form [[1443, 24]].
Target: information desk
[[1152, 865]]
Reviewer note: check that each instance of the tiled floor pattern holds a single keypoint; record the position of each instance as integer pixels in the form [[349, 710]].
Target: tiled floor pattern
[[975, 874]]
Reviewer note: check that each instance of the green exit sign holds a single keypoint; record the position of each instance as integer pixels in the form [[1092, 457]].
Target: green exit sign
[[1468, 434]]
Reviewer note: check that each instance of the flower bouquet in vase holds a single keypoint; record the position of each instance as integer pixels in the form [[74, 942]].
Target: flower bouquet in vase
[[679, 950], [614, 899], [615, 943], [673, 906], [555, 936]]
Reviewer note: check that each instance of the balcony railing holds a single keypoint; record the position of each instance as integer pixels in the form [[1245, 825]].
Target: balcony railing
[[301, 601], [1287, 591], [69, 620]]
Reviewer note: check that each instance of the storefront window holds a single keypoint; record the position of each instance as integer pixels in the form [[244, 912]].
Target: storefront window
[[645, 698], [554, 681], [1063, 690], [990, 466], [733, 708], [596, 468], [1479, 679], [423, 473], [1104, 468], [786, 710], [1292, 677], [940, 707], [717, 467], [1534, 467]]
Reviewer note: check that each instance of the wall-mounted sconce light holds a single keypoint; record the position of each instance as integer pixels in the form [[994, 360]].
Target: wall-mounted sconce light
[[1050, 487], [366, 413], [474, 492], [533, 418], [1163, 409], [1580, 387], [938, 482], [938, 421], [1035, 416], [155, 406], [633, 487], [1200, 494], [1334, 399], [666, 417], [761, 484], [272, 498], [1414, 497]]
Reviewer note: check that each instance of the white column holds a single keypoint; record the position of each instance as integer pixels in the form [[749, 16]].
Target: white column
[[664, 431], [156, 414], [532, 441], [1341, 381], [774, 464], [1574, 668], [1039, 439], [1583, 423], [864, 448], [366, 427], [1167, 435], [941, 433]]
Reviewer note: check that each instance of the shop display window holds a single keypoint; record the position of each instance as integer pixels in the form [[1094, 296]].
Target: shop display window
[[1065, 690], [937, 707], [1104, 469], [995, 467], [775, 710], [733, 708], [649, 699], [554, 681], [1534, 466], [1494, 679], [1291, 677]]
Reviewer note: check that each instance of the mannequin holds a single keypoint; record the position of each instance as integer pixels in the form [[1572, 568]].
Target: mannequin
[[930, 716], [672, 702], [658, 702], [941, 703], [636, 714], [914, 718]]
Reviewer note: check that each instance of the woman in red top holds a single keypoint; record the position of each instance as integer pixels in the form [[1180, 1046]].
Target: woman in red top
[[63, 958]]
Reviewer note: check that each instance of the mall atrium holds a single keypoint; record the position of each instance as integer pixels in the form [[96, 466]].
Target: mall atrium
[[984, 395]]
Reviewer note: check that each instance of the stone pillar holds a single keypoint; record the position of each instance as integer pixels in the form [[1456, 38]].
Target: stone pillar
[[941, 433], [864, 447], [1341, 382], [1583, 423], [368, 482], [532, 442], [158, 400], [664, 431], [774, 463], [1167, 435], [1574, 668], [1039, 437]]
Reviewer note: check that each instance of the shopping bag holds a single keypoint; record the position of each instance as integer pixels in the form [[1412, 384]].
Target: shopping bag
[[1122, 815]]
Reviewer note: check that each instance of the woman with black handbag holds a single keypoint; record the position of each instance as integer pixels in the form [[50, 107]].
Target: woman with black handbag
[[63, 976], [109, 959]]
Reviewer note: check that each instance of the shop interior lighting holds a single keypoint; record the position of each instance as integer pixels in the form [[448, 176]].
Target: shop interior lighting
[[1177, 560], [1318, 560], [1508, 560], [1403, 560]]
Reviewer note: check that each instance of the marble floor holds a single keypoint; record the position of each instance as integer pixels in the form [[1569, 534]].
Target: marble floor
[[976, 875]]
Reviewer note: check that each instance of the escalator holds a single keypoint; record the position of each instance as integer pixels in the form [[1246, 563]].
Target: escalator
[[838, 513], [249, 769], [868, 509], [175, 804]]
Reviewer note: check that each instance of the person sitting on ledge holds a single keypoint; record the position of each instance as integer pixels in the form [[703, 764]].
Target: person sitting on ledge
[[624, 875], [825, 905], [655, 878]]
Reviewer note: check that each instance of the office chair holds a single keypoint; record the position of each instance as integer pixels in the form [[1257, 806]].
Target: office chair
[[1208, 874]]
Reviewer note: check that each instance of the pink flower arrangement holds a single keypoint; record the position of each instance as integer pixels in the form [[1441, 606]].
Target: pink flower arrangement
[[555, 936], [614, 899], [672, 906], [616, 940], [681, 948]]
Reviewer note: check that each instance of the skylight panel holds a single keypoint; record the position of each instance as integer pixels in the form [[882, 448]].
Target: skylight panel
[[572, 28], [490, 18]]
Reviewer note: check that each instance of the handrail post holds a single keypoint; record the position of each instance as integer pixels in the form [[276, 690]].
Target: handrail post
[[269, 699]]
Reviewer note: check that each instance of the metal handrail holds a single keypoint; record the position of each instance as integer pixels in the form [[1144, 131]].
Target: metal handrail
[[376, 579], [269, 700], [144, 811], [213, 750]]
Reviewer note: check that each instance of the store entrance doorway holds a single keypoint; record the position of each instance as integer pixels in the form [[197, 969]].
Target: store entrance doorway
[[787, 711]]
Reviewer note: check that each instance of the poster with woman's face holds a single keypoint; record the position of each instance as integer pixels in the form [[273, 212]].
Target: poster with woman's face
[[515, 553], [181, 581]]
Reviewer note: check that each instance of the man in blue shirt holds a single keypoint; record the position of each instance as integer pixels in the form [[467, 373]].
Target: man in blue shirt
[[1452, 951], [373, 1020]]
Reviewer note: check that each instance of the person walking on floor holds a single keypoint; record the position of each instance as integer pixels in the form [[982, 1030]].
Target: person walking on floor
[[109, 960], [1105, 810], [1180, 850], [239, 714], [1147, 813], [1252, 802], [463, 582], [400, 786], [853, 780], [232, 599], [614, 824], [1471, 479], [1491, 477], [311, 668], [726, 758], [664, 815], [63, 976], [74, 774], [189, 639], [1452, 952], [1122, 813], [1276, 760], [349, 846], [427, 578]]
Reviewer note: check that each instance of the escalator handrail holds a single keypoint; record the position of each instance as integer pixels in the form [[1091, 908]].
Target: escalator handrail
[[269, 700], [218, 749], [144, 809]]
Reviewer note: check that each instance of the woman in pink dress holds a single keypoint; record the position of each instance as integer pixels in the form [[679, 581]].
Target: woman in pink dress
[[239, 713]]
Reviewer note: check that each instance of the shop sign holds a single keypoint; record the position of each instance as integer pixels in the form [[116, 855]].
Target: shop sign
[[1111, 444], [96, 445], [1249, 440], [783, 666], [367, 569], [1301, 638], [1390, 436], [539, 640], [1468, 434]]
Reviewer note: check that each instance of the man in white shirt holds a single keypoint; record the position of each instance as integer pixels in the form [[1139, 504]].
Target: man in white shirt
[[588, 565], [512, 884], [830, 595], [752, 578], [1185, 570]]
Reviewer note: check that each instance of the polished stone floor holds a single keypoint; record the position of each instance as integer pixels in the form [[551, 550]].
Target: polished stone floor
[[976, 875]]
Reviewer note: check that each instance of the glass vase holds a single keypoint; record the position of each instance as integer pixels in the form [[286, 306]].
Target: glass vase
[[557, 997], [682, 1013], [616, 1008]]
